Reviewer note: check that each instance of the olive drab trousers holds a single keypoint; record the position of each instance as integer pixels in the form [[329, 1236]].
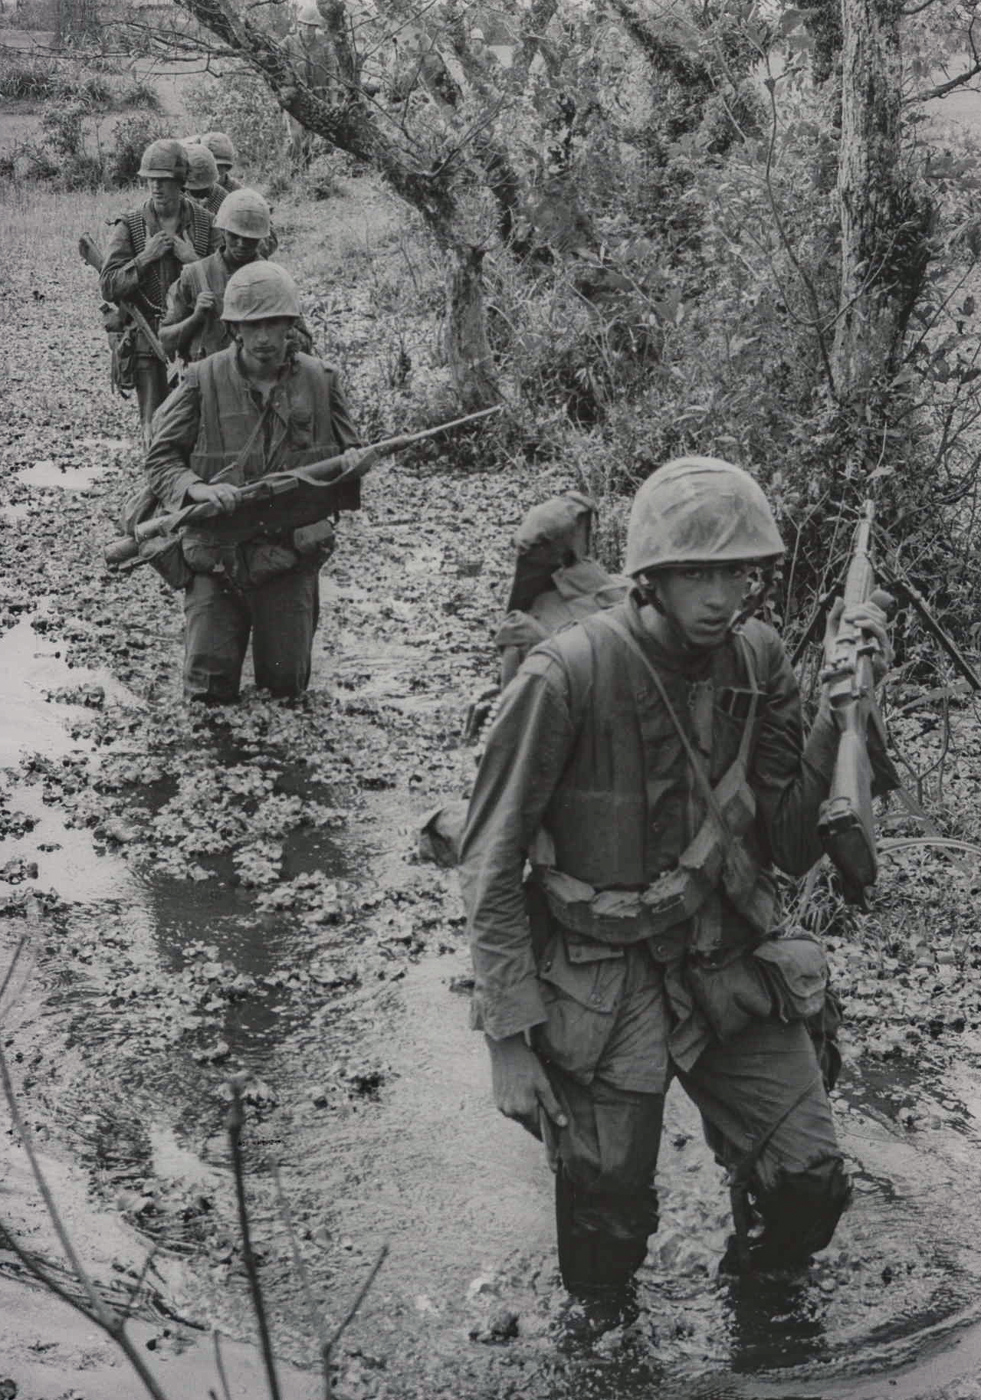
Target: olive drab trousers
[[281, 618], [760, 1095], [150, 381]]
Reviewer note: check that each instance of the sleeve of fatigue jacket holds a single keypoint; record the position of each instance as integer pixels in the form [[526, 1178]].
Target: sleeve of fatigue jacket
[[526, 751], [791, 778], [175, 431], [345, 433], [120, 276]]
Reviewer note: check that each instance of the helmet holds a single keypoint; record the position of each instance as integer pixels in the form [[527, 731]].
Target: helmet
[[543, 541], [309, 14], [202, 172], [552, 521], [258, 290], [220, 147], [699, 510], [244, 212], [164, 159]]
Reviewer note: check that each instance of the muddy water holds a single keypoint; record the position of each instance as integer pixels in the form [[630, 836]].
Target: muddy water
[[373, 1099]]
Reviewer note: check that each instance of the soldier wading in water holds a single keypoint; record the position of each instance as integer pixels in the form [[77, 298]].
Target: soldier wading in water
[[257, 407], [650, 764]]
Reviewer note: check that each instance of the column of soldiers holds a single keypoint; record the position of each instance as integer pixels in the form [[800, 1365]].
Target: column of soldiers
[[251, 401], [645, 769]]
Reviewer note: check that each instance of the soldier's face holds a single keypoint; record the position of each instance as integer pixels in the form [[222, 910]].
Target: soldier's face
[[700, 601], [264, 342], [163, 191], [224, 170], [239, 249]]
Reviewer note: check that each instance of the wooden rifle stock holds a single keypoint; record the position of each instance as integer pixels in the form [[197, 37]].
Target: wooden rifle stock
[[846, 824]]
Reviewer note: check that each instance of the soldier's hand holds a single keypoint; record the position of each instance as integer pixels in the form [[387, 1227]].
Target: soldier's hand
[[183, 250], [521, 1087], [157, 247], [205, 302], [870, 618], [221, 494]]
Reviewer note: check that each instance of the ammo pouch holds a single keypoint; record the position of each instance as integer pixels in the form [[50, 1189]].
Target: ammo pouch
[[315, 542], [784, 977], [629, 916], [244, 566]]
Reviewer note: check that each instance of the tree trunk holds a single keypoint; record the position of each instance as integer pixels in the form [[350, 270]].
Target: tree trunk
[[352, 127], [467, 347], [884, 223], [76, 22]]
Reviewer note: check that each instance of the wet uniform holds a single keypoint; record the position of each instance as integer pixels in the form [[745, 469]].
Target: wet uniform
[[584, 749], [121, 279], [261, 586]]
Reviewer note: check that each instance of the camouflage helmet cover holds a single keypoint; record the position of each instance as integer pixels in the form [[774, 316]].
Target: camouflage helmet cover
[[699, 510], [244, 212], [202, 170], [552, 520], [308, 13], [258, 291], [220, 147], [164, 160]]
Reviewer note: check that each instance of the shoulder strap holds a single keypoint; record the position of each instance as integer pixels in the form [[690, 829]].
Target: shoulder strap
[[701, 777]]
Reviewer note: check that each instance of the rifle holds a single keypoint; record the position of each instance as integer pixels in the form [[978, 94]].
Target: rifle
[[845, 823], [326, 474], [91, 254]]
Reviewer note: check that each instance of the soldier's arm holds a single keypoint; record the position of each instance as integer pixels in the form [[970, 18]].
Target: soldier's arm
[[345, 433], [121, 269], [525, 753], [174, 433], [181, 319]]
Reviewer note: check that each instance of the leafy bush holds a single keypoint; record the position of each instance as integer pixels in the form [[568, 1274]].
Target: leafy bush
[[130, 138], [82, 171], [25, 78], [96, 92], [63, 129], [139, 93], [241, 105]]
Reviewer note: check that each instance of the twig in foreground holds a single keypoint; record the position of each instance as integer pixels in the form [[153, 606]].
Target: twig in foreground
[[236, 1120]]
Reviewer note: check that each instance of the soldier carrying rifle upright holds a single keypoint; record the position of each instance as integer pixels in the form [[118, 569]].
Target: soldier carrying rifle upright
[[649, 764]]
